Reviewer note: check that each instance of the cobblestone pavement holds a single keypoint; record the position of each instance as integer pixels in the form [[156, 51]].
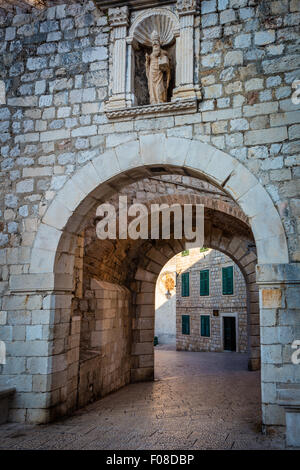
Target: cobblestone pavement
[[198, 401]]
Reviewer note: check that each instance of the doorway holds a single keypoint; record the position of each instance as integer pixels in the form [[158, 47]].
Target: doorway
[[229, 332]]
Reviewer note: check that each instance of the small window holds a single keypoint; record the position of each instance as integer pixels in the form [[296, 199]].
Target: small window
[[185, 322], [185, 253], [205, 325], [185, 285], [204, 282], [227, 280]]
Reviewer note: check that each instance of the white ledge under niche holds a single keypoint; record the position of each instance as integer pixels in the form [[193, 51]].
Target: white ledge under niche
[[186, 106]]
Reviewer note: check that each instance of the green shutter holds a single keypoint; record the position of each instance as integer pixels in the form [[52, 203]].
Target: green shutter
[[185, 319], [204, 282], [205, 325], [185, 285], [227, 280]]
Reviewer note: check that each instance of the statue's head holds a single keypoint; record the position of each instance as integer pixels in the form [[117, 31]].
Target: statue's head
[[155, 43]]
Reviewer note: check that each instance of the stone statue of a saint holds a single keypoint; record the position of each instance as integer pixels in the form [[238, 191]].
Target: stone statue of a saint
[[158, 72]]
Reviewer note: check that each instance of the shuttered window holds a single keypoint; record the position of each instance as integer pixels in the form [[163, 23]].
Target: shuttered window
[[204, 282], [227, 280], [185, 322], [205, 325], [185, 284]]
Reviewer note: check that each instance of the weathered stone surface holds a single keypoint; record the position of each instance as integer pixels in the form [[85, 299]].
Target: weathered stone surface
[[271, 298], [266, 136], [61, 156], [217, 374]]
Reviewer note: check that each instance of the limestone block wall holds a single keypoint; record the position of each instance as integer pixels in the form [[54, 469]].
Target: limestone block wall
[[280, 325], [55, 68], [54, 64], [196, 305], [43, 338], [105, 347]]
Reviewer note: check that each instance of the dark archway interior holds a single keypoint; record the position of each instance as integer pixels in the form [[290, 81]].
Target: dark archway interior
[[114, 280]]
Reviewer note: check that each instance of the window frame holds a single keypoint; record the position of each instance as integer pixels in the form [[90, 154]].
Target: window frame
[[209, 325], [202, 270], [188, 276], [233, 280], [189, 324]]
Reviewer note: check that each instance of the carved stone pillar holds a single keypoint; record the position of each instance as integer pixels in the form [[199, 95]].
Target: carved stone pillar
[[118, 18], [185, 87], [130, 95]]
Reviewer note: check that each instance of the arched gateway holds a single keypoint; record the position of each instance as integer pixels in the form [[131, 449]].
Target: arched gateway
[[54, 249], [81, 192]]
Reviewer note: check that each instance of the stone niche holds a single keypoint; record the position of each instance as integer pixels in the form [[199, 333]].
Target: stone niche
[[140, 38], [138, 85]]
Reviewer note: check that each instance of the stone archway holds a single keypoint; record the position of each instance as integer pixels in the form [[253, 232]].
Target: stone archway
[[53, 253], [137, 264], [146, 277], [68, 210]]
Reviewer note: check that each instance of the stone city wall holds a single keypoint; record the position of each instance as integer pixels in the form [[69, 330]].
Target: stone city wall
[[105, 346], [55, 65]]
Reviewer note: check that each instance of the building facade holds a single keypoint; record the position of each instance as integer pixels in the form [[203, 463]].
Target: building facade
[[211, 303], [75, 131], [204, 307]]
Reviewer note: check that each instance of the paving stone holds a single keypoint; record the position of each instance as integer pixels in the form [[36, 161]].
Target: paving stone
[[215, 405]]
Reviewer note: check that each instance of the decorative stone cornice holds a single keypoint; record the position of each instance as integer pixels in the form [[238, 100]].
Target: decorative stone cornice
[[186, 106], [133, 4], [118, 16], [187, 7]]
